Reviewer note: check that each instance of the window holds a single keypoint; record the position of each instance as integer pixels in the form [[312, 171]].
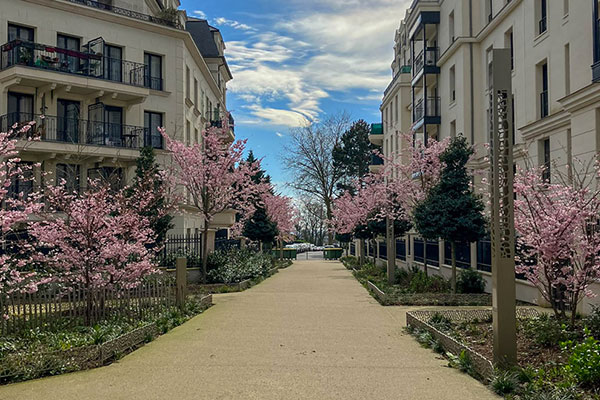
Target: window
[[153, 64], [543, 16], [70, 173], [111, 176], [68, 114], [512, 119], [188, 132], [20, 108], [452, 84], [22, 183], [451, 26], [545, 159], [196, 92], [567, 69], [453, 129], [508, 42], [152, 137], [69, 63], [543, 70], [19, 32], [196, 136], [396, 109], [489, 10], [565, 7], [187, 83], [113, 63]]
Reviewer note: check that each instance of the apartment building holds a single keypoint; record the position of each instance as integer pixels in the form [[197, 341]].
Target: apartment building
[[99, 77], [440, 81]]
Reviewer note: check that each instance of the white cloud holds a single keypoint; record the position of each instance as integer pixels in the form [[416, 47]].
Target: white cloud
[[279, 134], [199, 14], [232, 23]]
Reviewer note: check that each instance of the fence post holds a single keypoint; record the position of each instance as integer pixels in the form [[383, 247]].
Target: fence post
[[181, 281]]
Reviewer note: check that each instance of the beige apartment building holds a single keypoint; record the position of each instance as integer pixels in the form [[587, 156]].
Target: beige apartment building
[[99, 77], [440, 87]]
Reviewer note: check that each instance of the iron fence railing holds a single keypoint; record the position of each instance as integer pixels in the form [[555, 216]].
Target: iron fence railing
[[181, 246], [79, 131], [433, 253], [426, 57], [463, 255], [82, 63], [401, 249], [484, 255], [106, 5], [433, 108], [383, 250]]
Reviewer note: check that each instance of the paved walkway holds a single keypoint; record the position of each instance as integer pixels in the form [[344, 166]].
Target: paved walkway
[[309, 332]]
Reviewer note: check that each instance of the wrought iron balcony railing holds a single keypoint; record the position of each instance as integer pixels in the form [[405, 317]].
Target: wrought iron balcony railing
[[82, 132], [92, 65], [107, 6]]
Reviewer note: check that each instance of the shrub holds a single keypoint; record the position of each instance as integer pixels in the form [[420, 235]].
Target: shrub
[[421, 283], [546, 330], [349, 261], [470, 281], [236, 265], [462, 362], [584, 361], [440, 322], [504, 382], [592, 322]]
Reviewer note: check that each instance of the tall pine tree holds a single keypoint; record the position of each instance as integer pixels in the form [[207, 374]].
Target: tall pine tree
[[451, 211], [147, 177], [353, 154], [259, 228]]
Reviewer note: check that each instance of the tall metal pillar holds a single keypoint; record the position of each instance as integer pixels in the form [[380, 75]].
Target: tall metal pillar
[[391, 250], [502, 211]]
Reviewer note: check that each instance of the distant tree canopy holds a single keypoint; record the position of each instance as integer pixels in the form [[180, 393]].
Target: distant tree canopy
[[352, 155]]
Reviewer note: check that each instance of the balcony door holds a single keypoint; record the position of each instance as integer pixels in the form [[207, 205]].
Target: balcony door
[[113, 63], [68, 121], [69, 62], [20, 108], [105, 125]]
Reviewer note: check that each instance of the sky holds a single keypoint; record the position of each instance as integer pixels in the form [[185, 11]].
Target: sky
[[297, 60]]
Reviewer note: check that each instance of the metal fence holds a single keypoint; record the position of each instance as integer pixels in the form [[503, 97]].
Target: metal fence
[[225, 244], [371, 249], [463, 255], [352, 249], [181, 246], [383, 250], [401, 249], [54, 304]]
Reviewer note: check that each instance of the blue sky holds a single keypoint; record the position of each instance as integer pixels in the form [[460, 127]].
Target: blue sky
[[297, 60]]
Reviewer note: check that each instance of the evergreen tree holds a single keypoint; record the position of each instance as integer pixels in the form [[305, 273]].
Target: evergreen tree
[[147, 176], [352, 155], [451, 211], [259, 227]]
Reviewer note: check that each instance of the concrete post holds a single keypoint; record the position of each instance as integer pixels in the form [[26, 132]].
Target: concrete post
[[502, 211], [473, 249], [181, 281], [391, 251]]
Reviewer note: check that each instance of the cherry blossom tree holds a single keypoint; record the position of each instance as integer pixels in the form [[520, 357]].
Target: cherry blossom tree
[[281, 210], [215, 177], [16, 272], [558, 234], [95, 240]]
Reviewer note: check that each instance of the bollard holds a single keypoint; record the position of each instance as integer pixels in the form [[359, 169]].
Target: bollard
[[181, 281]]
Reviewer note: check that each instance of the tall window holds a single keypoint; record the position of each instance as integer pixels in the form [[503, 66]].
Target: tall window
[[187, 83], [153, 65], [188, 132], [567, 69], [113, 63], [544, 90], [68, 62], [396, 109], [22, 183], [20, 108], [508, 42], [19, 32], [452, 84], [453, 129], [543, 16], [196, 92], [451, 26], [565, 7], [69, 173], [545, 159], [153, 121]]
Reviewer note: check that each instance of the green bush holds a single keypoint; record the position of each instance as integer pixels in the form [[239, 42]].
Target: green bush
[[421, 283], [440, 322], [470, 281], [349, 262], [546, 331], [592, 322], [236, 265], [584, 361], [504, 382]]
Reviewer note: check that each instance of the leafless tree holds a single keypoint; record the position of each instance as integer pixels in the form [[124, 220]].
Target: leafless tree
[[311, 225], [309, 159]]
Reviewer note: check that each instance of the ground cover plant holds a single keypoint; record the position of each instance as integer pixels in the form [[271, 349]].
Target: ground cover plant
[[555, 360], [414, 287], [41, 351]]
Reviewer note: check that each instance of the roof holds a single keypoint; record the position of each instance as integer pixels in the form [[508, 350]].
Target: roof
[[202, 33]]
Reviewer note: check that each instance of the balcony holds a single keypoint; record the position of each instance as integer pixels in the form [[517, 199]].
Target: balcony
[[376, 135], [376, 163], [426, 62], [216, 120], [105, 6], [82, 132], [80, 63], [405, 69], [427, 112]]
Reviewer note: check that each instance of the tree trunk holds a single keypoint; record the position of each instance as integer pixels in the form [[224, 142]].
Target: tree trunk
[[205, 252], [453, 280], [329, 216]]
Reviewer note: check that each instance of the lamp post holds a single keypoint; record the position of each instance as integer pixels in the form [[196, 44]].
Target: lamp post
[[502, 210]]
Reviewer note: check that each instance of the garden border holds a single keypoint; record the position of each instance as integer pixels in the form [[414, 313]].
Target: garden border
[[420, 320], [86, 357], [430, 299]]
